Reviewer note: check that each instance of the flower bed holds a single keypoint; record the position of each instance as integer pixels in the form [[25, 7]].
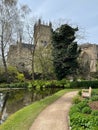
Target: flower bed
[[84, 113]]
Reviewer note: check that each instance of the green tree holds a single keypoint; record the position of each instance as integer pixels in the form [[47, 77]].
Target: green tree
[[65, 51], [43, 61]]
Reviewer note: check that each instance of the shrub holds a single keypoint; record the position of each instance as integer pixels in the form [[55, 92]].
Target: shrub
[[76, 100], [80, 93], [20, 77], [84, 84], [13, 75], [94, 113], [86, 110], [73, 110], [79, 120], [94, 121], [94, 98], [15, 85], [82, 117], [82, 104]]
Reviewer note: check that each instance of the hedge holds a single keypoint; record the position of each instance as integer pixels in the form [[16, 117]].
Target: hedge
[[84, 84], [15, 85]]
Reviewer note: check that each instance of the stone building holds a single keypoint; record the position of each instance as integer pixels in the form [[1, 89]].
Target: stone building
[[19, 55], [89, 56]]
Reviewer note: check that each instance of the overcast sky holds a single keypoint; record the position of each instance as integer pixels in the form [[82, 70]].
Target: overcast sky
[[83, 13]]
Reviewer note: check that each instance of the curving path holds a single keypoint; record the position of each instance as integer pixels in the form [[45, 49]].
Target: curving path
[[55, 116]]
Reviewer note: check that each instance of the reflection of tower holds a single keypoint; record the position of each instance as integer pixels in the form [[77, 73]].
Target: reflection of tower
[[42, 33]]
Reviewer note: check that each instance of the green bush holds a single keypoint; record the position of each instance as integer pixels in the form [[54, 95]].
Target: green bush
[[15, 85], [82, 104], [79, 120], [20, 77], [94, 113], [86, 110], [84, 84], [74, 109], [82, 117], [83, 121], [94, 121], [76, 100], [94, 92], [80, 92], [94, 98], [12, 76]]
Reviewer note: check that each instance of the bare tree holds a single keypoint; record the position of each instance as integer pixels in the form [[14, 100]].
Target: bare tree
[[7, 18], [40, 52], [11, 20], [30, 36]]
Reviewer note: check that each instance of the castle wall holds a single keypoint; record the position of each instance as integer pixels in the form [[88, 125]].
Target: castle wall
[[19, 57], [92, 52]]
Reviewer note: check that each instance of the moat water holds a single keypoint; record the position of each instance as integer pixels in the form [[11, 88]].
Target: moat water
[[13, 100]]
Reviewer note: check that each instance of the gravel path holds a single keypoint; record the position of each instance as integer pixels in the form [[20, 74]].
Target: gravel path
[[55, 116]]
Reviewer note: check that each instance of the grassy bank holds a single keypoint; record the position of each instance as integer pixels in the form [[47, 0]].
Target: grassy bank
[[23, 119]]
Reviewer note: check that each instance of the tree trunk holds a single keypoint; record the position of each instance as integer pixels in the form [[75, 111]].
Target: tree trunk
[[3, 56], [32, 67], [33, 53], [4, 104]]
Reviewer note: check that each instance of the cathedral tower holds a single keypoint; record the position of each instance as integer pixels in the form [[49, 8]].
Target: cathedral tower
[[42, 33]]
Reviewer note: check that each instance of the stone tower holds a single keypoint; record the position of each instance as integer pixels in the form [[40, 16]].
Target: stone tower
[[42, 40], [42, 33]]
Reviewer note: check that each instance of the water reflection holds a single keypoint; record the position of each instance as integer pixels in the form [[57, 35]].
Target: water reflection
[[14, 99], [3, 113]]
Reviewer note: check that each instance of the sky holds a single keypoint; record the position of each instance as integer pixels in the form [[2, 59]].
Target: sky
[[81, 13]]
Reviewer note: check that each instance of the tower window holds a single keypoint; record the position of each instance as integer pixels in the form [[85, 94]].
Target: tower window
[[44, 43]]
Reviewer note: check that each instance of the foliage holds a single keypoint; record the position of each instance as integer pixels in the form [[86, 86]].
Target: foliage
[[43, 61], [15, 85], [82, 104], [79, 120], [94, 113], [80, 92], [86, 110], [82, 117], [94, 98], [84, 84], [94, 92], [76, 99], [20, 77], [13, 75], [65, 51]]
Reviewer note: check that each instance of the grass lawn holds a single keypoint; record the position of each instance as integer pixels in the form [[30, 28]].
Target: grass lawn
[[23, 119]]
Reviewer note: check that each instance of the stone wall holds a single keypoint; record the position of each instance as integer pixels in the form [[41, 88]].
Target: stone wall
[[89, 54], [20, 56]]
